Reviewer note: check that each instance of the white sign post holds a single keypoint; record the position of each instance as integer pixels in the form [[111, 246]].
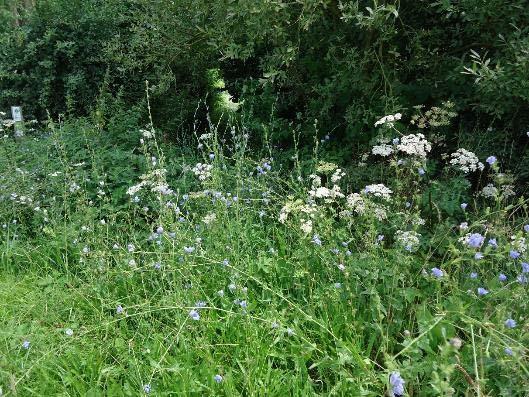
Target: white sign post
[[16, 112]]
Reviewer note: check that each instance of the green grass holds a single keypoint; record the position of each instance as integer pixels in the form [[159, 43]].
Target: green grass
[[295, 317]]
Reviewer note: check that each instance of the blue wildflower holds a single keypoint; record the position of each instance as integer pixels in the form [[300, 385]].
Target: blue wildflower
[[316, 239], [491, 160], [421, 171], [189, 250], [508, 351], [473, 275], [119, 309], [475, 240], [478, 256], [464, 206], [493, 243], [194, 315], [26, 344], [526, 228], [514, 254], [525, 267], [397, 384], [147, 388], [482, 291], [510, 323], [217, 378], [502, 277], [522, 279], [436, 272]]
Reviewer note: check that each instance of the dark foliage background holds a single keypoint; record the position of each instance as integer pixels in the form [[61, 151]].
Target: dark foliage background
[[344, 63]]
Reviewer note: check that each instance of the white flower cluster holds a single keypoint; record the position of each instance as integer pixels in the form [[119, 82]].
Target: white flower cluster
[[326, 193], [409, 240], [414, 145], [519, 244], [209, 218], [306, 226], [337, 176], [508, 191], [147, 134], [356, 203], [202, 171], [378, 190], [489, 191], [155, 180], [389, 119], [383, 150], [466, 161]]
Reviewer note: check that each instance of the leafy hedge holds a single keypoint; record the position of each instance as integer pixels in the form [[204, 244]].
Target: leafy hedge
[[344, 63]]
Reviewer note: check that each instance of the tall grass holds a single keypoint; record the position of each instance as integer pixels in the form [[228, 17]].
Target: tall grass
[[130, 271]]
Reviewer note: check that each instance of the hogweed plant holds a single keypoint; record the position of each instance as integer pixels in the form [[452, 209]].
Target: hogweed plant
[[222, 274]]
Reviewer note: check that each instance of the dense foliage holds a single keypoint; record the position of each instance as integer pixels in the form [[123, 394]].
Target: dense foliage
[[341, 62]]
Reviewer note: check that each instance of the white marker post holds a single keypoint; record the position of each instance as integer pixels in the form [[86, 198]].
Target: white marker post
[[16, 113]]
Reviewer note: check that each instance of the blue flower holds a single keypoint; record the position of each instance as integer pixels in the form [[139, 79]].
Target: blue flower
[[316, 239], [189, 250], [147, 388], [475, 240], [464, 206], [397, 384], [508, 351], [26, 344], [217, 378], [482, 291], [522, 279], [493, 243], [510, 323], [436, 272], [473, 275], [421, 171], [491, 160], [119, 309], [502, 277], [514, 254], [525, 267], [194, 315], [526, 228], [478, 256]]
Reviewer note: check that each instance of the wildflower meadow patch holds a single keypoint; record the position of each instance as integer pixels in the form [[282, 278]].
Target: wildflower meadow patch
[[226, 273]]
